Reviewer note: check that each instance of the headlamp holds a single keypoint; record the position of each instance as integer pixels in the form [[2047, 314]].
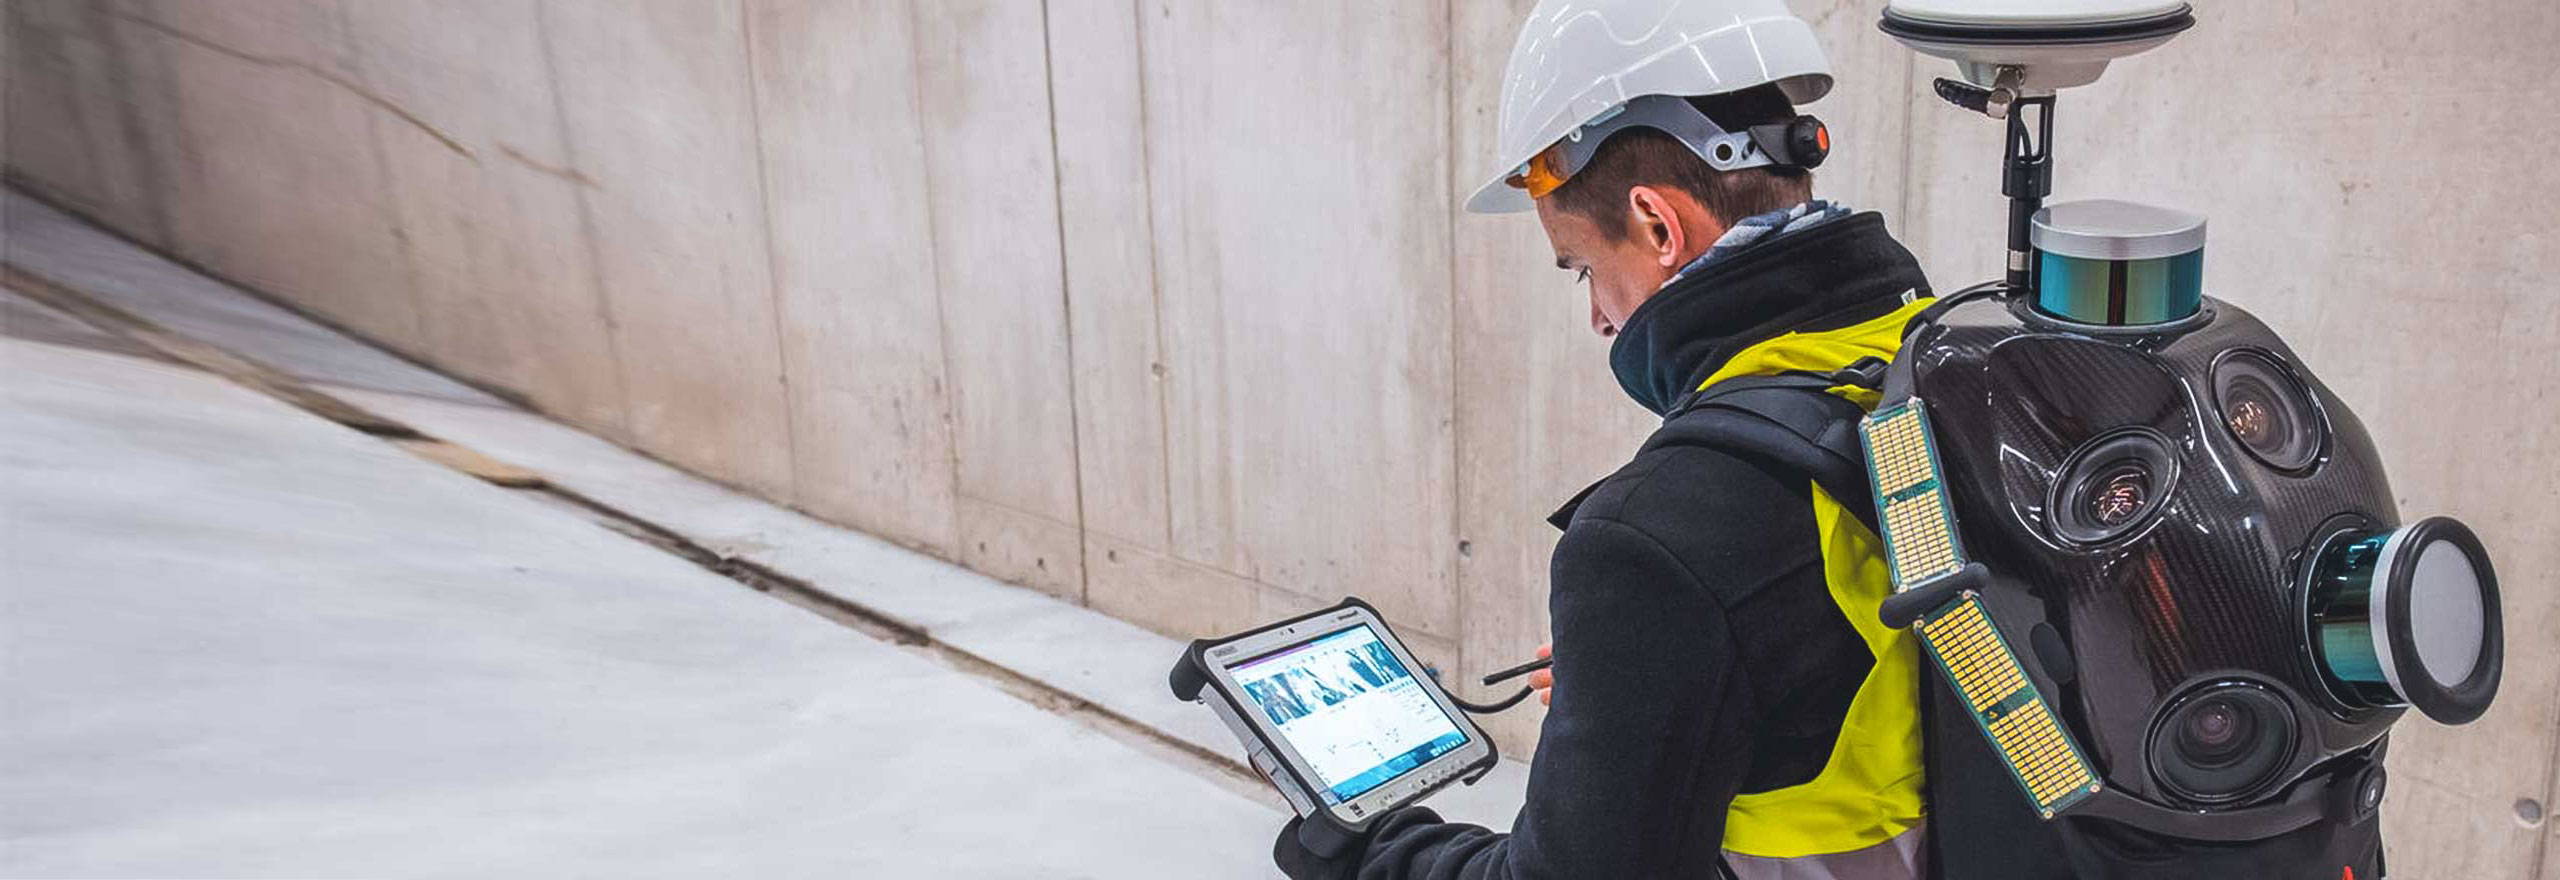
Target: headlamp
[[1802, 142]]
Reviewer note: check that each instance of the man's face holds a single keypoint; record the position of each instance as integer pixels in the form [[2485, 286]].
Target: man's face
[[1620, 274]]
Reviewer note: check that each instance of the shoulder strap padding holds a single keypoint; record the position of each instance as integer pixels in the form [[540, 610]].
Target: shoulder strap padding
[[1789, 421]]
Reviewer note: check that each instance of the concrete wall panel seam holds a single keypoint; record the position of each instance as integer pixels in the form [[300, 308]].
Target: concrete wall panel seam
[[146, 166], [841, 146], [773, 262], [2546, 857], [1066, 297], [986, 83], [651, 89], [414, 338], [588, 239], [183, 163], [1115, 346], [1450, 162], [1155, 266], [933, 247], [27, 160]]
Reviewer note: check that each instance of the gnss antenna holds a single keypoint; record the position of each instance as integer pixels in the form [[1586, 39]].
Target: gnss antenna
[[2012, 55]]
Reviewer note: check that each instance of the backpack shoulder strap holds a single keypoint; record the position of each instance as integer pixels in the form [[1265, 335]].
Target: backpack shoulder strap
[[1790, 421]]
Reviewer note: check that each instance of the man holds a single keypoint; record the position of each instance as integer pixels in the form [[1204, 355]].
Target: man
[[1723, 697]]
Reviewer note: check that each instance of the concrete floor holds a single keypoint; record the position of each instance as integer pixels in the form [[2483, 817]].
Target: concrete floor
[[236, 640]]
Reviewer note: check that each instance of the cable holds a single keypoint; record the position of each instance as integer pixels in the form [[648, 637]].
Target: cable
[[1490, 680], [1490, 708]]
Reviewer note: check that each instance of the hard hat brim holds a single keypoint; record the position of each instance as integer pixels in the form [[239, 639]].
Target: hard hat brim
[[1498, 196]]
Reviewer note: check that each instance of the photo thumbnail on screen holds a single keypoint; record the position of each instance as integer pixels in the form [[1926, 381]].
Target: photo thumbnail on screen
[[1348, 706], [1326, 679]]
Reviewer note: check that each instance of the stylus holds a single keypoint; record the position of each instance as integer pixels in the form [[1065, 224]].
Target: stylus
[[1520, 670]]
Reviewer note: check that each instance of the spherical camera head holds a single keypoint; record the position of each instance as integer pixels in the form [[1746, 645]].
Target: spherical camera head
[[2194, 539]]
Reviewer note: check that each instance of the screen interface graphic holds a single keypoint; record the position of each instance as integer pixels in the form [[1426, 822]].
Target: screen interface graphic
[[1350, 709]]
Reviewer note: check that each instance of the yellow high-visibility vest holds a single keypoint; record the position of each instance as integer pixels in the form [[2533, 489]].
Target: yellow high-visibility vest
[[1868, 796]]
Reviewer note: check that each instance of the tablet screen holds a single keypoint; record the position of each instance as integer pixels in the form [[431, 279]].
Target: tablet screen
[[1348, 708]]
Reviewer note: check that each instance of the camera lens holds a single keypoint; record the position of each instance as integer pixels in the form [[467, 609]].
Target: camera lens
[[2249, 418], [2120, 495], [2223, 743], [2111, 485], [2266, 410], [2253, 417], [2213, 731]]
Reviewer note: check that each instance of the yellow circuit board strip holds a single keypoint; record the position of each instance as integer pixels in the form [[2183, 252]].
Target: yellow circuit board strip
[[2005, 704], [1919, 528]]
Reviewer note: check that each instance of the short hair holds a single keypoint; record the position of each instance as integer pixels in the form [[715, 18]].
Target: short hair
[[1646, 157]]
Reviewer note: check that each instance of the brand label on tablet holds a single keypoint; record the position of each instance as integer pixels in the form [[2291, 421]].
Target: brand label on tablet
[[1346, 706]]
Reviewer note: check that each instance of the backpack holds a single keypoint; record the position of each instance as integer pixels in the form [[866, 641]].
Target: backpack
[[1792, 422]]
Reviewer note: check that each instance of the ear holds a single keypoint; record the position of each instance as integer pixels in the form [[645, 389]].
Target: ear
[[1657, 225]]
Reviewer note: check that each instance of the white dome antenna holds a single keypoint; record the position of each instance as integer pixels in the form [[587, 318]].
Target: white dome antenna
[[2013, 55], [2040, 45]]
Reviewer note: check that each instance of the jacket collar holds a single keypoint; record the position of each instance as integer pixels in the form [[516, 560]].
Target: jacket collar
[[1856, 286], [1831, 275]]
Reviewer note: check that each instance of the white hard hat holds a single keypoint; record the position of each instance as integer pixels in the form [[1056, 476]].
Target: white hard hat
[[1579, 59]]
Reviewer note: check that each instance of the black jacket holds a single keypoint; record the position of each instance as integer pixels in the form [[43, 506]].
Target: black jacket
[[1698, 652]]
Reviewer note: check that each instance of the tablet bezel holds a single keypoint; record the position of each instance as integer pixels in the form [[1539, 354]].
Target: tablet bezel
[[1217, 657]]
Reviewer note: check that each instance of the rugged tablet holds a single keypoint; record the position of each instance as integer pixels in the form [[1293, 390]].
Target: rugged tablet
[[1334, 711]]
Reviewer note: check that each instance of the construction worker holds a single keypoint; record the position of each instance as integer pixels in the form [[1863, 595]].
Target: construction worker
[[1723, 696]]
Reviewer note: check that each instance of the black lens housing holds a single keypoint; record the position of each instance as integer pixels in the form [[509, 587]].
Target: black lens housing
[[2112, 485], [2261, 404], [2223, 743]]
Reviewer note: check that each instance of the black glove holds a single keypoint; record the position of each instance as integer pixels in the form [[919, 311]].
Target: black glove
[[1336, 857], [1300, 862]]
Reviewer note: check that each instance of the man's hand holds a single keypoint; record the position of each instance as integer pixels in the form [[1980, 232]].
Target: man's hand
[[1544, 681]]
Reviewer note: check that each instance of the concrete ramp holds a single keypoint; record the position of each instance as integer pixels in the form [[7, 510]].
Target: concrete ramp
[[237, 640]]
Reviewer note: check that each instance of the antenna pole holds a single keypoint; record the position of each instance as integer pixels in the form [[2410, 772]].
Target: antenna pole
[[2026, 174], [2026, 178]]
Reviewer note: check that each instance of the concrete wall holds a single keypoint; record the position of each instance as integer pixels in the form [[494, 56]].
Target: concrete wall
[[1166, 307]]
